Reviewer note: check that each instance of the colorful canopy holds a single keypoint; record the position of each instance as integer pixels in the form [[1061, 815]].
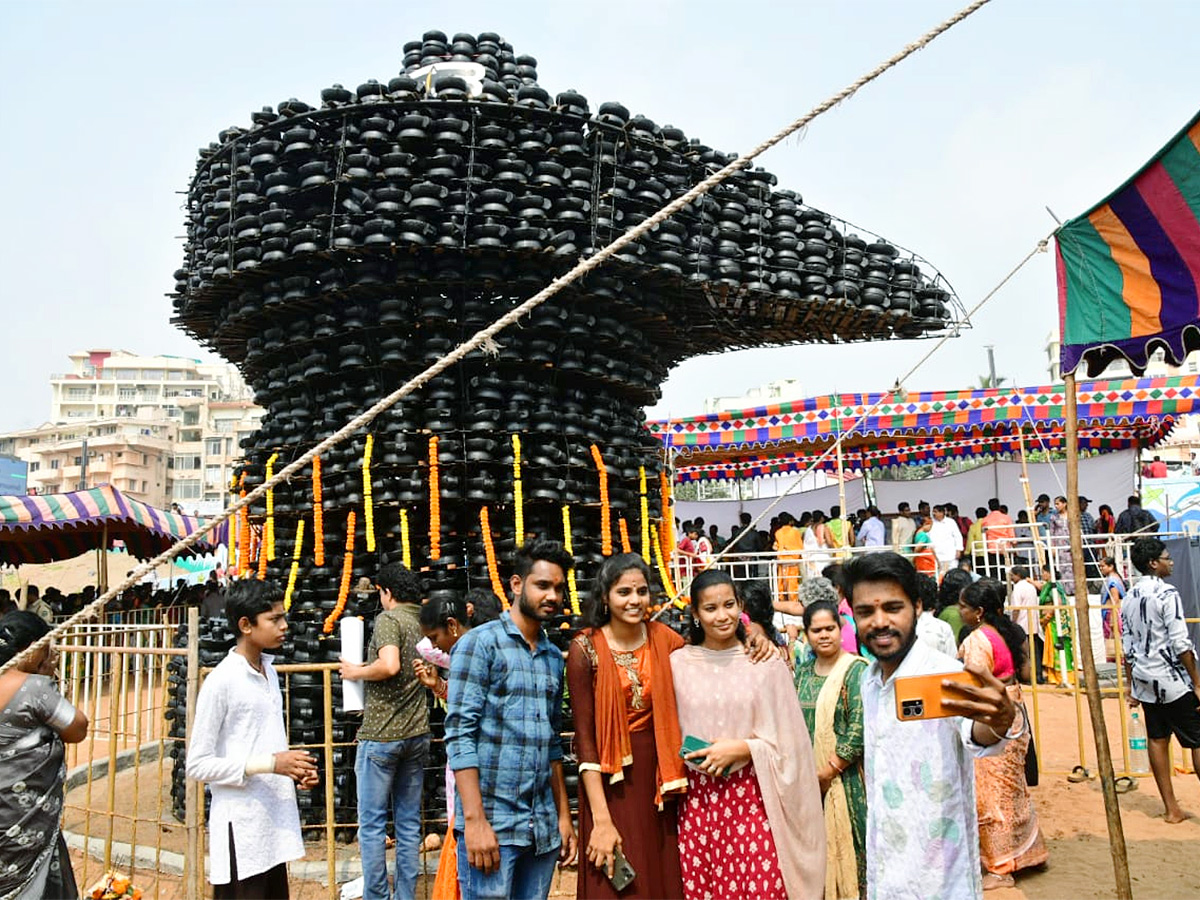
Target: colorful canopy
[[922, 427], [1129, 268], [38, 529]]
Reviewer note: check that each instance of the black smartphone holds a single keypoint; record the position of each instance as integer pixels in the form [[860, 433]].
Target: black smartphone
[[623, 873]]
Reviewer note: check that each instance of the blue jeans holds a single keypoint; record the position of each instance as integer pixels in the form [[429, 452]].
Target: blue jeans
[[391, 775], [523, 874]]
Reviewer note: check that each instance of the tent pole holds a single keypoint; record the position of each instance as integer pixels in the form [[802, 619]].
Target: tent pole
[[102, 569], [1112, 810]]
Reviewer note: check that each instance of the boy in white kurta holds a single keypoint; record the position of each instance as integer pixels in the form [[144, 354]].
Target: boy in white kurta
[[238, 745]]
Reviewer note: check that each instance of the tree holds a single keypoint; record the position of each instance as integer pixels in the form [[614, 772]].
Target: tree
[[985, 381]]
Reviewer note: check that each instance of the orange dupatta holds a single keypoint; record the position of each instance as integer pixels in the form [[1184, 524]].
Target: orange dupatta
[[612, 721]]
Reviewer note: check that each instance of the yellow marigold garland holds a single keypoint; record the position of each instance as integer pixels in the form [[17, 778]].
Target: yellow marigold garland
[[518, 493], [270, 526], [405, 546], [667, 526], [606, 547], [347, 572], [291, 583], [318, 514], [665, 574], [572, 592], [368, 502], [435, 503], [626, 547], [485, 531], [644, 509]]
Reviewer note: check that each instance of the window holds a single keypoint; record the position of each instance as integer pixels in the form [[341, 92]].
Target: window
[[35, 466], [54, 464], [187, 490], [78, 461], [212, 446], [223, 426], [185, 463], [212, 475], [145, 459]]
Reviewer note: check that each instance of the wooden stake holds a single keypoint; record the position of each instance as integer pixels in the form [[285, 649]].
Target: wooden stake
[[1112, 810], [193, 874]]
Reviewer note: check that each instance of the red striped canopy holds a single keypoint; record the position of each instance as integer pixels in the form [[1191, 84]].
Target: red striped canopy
[[38, 529]]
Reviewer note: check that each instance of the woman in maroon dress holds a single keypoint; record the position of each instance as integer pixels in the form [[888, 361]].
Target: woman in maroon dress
[[626, 736]]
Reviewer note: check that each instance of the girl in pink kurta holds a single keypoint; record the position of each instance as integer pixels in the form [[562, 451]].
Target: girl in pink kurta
[[751, 825]]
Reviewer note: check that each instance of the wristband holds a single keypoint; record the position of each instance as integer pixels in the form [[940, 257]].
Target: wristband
[[833, 765], [1010, 737]]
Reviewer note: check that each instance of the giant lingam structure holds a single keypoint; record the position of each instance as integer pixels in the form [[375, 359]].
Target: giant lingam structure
[[333, 252]]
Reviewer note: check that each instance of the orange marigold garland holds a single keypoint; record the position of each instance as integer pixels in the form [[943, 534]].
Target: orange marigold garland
[[644, 509], [368, 501], [243, 532], [318, 514], [347, 572], [435, 503], [667, 526], [518, 493], [262, 557], [626, 547], [606, 547], [269, 534], [572, 592], [485, 531], [405, 546], [665, 574], [291, 582]]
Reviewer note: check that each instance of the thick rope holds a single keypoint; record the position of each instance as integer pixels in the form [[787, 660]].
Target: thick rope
[[1040, 247], [485, 335]]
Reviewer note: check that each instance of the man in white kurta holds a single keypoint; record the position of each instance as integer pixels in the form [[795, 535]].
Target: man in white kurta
[[947, 540], [922, 830], [236, 733]]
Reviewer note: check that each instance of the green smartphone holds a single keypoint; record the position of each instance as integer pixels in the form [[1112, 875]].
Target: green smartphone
[[691, 744]]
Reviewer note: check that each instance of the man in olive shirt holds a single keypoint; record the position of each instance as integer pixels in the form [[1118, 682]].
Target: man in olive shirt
[[393, 740]]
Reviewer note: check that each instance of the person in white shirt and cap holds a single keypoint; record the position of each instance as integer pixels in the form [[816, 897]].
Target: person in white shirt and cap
[[238, 745], [922, 826]]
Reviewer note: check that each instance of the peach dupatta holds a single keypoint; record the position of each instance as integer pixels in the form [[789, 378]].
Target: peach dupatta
[[721, 694]]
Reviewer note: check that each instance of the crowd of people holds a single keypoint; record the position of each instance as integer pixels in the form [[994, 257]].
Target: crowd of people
[[734, 759]]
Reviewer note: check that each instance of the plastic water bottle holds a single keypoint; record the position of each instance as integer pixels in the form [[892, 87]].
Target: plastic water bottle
[[1139, 761]]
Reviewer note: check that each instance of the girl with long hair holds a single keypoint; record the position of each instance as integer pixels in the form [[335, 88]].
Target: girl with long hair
[[626, 736], [1009, 837], [828, 684], [750, 825]]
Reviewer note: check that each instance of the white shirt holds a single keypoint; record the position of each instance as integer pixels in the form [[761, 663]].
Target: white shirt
[[922, 826], [946, 538], [239, 720], [937, 634], [1025, 594]]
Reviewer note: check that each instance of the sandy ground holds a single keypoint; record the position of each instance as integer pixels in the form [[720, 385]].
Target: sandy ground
[[1162, 858]]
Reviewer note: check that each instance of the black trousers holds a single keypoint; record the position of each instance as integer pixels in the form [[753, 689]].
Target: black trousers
[[269, 885]]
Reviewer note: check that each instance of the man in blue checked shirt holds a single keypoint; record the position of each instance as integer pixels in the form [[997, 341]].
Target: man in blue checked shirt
[[503, 725]]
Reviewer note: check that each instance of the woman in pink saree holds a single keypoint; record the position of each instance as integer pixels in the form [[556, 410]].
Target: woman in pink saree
[[752, 824]]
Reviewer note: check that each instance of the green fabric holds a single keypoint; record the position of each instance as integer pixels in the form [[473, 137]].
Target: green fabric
[[952, 617], [1182, 162], [848, 726], [1058, 631], [1091, 272], [395, 708]]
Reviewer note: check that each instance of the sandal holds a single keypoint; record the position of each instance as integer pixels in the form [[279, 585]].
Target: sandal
[[1078, 775], [1124, 785], [992, 881]]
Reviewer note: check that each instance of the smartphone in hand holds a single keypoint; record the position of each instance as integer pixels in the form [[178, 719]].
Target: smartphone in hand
[[920, 696]]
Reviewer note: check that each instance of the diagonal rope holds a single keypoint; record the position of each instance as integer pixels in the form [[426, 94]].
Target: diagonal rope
[[481, 337], [1040, 247]]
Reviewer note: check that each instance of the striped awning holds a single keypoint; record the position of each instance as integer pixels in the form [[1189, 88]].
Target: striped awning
[[38, 529]]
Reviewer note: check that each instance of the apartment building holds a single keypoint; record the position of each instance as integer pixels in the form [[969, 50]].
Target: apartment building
[[202, 411]]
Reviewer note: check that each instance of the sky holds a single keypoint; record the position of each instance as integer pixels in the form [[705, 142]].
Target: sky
[[955, 154]]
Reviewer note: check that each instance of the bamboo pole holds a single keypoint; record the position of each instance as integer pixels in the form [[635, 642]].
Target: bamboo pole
[[330, 846], [1112, 810], [193, 800]]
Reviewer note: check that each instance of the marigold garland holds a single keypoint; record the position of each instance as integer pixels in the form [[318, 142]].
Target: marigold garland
[[291, 582], [435, 503], [318, 514], [644, 509], [485, 531], [243, 532], [270, 526], [664, 573], [405, 546], [667, 525], [262, 557], [347, 572], [518, 493], [626, 547], [572, 592], [368, 502], [606, 547]]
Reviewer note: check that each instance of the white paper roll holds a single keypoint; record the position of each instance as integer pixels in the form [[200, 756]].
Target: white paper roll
[[352, 651]]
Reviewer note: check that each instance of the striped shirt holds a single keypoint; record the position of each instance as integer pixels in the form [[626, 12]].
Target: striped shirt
[[1153, 636], [504, 718]]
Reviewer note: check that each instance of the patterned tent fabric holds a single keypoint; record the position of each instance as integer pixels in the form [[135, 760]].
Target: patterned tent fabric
[[1129, 268], [919, 428], [37, 529]]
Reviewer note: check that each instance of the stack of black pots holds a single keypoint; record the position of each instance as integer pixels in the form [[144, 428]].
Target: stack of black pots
[[334, 252]]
